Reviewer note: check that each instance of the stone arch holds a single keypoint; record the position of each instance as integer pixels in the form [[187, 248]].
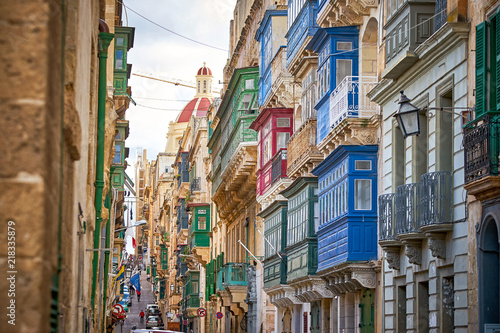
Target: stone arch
[[369, 49]]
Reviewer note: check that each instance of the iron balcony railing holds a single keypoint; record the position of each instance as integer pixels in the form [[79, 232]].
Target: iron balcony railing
[[349, 99], [278, 170], [415, 205], [387, 216], [436, 198], [482, 147], [195, 184], [408, 208]]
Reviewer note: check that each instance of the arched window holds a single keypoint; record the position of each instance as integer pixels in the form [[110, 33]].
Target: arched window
[[199, 84]]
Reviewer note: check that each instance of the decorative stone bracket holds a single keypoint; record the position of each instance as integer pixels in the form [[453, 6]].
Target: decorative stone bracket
[[413, 250]]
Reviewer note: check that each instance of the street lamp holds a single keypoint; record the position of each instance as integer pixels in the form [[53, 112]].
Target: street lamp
[[407, 117], [172, 287], [138, 224], [128, 273]]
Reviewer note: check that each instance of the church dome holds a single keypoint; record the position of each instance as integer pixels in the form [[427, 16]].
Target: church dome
[[198, 106], [204, 70]]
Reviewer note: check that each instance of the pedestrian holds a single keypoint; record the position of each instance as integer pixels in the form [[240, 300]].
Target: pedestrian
[[142, 316], [138, 297]]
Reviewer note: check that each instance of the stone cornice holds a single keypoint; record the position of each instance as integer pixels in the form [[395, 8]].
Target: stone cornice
[[351, 277], [351, 131], [310, 288], [282, 296]]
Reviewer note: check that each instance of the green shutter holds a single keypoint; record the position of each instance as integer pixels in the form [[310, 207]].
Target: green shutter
[[496, 18], [481, 82]]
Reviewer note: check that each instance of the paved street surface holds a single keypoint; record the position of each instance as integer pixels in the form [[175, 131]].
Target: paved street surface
[[133, 312]]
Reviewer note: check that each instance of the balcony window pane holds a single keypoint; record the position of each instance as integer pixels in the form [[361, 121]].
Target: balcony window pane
[[202, 222], [283, 122], [362, 194], [117, 159], [344, 46], [344, 68], [119, 41], [249, 84], [363, 165], [282, 139]]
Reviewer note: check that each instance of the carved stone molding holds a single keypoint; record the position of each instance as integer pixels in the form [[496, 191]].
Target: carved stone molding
[[310, 289], [351, 277], [393, 259], [413, 250], [437, 244]]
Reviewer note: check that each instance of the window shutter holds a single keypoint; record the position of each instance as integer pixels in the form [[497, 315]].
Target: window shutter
[[497, 62], [481, 47]]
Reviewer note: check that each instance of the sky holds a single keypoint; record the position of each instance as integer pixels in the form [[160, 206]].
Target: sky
[[162, 54]]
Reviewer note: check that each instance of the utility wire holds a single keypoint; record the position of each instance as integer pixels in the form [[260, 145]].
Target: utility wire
[[172, 32], [164, 99]]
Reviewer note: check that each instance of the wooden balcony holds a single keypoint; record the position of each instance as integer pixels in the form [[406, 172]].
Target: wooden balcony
[[303, 155]]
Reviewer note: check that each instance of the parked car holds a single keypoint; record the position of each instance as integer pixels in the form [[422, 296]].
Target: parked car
[[124, 304], [153, 321], [153, 309]]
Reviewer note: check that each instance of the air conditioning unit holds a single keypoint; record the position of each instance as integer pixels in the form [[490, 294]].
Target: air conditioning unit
[[491, 328]]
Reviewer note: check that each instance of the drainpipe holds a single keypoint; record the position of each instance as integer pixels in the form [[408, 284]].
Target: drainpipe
[[104, 40], [112, 194]]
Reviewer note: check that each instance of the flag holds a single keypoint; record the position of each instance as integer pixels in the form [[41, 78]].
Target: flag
[[133, 242], [136, 283], [121, 273]]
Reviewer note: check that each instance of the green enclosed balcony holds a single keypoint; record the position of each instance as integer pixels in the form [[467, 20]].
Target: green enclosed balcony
[[191, 291], [235, 274]]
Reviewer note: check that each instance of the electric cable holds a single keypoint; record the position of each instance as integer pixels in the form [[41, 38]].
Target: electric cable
[[171, 31]]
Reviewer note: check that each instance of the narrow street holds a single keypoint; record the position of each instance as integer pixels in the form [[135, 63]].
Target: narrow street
[[134, 310]]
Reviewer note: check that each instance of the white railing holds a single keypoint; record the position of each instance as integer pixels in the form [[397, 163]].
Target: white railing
[[349, 99]]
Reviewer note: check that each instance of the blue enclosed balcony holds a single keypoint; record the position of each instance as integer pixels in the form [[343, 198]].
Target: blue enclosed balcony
[[347, 181], [270, 35], [301, 27]]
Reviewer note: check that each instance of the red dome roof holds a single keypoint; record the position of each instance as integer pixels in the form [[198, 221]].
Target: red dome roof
[[204, 70], [199, 104]]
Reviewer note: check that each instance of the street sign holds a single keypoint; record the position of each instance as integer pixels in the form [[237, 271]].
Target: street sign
[[219, 315], [118, 311], [184, 322], [201, 312]]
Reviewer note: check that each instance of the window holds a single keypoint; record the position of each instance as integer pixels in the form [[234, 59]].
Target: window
[[249, 84], [363, 165], [202, 223], [282, 139], [119, 59], [344, 46], [245, 102], [195, 287], [204, 86], [308, 98], [362, 194], [119, 41], [344, 68], [117, 159], [283, 122]]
